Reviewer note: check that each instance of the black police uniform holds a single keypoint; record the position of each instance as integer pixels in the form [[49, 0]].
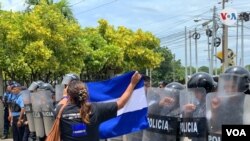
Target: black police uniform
[[233, 105], [6, 114], [201, 80], [73, 128]]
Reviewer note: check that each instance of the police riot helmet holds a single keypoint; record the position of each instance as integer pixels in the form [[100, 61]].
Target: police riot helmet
[[47, 86], [244, 75], [34, 85], [175, 85], [69, 77], [202, 80]]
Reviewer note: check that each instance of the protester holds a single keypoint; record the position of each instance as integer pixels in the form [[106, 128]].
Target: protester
[[81, 119]]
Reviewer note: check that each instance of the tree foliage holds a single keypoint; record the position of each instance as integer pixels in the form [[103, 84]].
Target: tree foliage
[[119, 49], [203, 69], [42, 43], [169, 70]]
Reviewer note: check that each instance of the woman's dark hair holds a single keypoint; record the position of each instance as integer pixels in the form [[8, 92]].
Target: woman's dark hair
[[78, 95]]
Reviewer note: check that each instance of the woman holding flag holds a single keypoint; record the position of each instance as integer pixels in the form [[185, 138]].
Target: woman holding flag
[[80, 119]]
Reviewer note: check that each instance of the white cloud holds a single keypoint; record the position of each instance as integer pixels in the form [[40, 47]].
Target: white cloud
[[14, 5]]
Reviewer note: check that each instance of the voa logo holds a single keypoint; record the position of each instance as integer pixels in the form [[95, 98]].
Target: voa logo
[[236, 132], [228, 16]]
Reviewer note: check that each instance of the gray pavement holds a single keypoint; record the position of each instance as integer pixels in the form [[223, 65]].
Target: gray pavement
[[6, 140]]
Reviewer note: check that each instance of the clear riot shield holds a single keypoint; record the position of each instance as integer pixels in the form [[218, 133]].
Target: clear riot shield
[[231, 83], [136, 136], [163, 113], [47, 110], [193, 115], [226, 109], [37, 113], [59, 92], [28, 109]]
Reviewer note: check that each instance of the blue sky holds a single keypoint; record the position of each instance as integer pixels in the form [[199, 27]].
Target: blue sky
[[164, 18]]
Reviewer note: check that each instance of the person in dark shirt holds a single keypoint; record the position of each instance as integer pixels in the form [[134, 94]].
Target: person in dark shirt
[[4, 100], [80, 119]]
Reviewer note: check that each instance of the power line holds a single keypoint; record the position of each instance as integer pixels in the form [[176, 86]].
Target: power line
[[178, 23], [97, 7], [77, 3], [169, 18]]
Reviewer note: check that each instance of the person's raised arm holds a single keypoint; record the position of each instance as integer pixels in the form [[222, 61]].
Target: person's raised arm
[[126, 95]]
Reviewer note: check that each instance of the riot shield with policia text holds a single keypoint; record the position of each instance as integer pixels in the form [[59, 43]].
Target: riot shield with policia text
[[28, 109], [226, 109], [36, 97], [163, 113], [47, 110], [193, 114]]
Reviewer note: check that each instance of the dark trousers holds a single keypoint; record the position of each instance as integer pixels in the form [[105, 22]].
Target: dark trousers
[[32, 136], [6, 121], [17, 131], [26, 133]]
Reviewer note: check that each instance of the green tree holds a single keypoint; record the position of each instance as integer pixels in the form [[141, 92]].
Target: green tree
[[45, 26], [40, 44], [192, 70], [169, 70], [44, 44], [218, 71], [63, 5], [119, 49], [203, 69]]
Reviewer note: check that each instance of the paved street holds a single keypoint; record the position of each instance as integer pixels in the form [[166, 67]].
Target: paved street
[[6, 140]]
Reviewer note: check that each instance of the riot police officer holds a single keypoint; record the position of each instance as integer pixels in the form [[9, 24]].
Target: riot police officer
[[239, 76], [163, 113], [5, 101], [42, 109], [193, 104], [17, 112], [227, 105], [65, 82]]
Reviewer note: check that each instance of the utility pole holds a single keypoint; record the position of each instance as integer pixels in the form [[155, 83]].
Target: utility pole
[[186, 71], [196, 52], [208, 50], [242, 42], [215, 35], [190, 52], [237, 43], [224, 41], [212, 46]]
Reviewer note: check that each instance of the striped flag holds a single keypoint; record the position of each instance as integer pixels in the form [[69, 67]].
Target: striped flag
[[132, 117]]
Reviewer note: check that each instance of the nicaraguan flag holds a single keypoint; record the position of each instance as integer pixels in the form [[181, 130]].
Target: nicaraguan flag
[[132, 117]]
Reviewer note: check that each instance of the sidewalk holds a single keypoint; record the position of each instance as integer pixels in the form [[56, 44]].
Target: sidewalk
[[7, 139]]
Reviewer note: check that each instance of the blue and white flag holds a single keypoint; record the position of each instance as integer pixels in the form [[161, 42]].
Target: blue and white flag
[[132, 117]]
